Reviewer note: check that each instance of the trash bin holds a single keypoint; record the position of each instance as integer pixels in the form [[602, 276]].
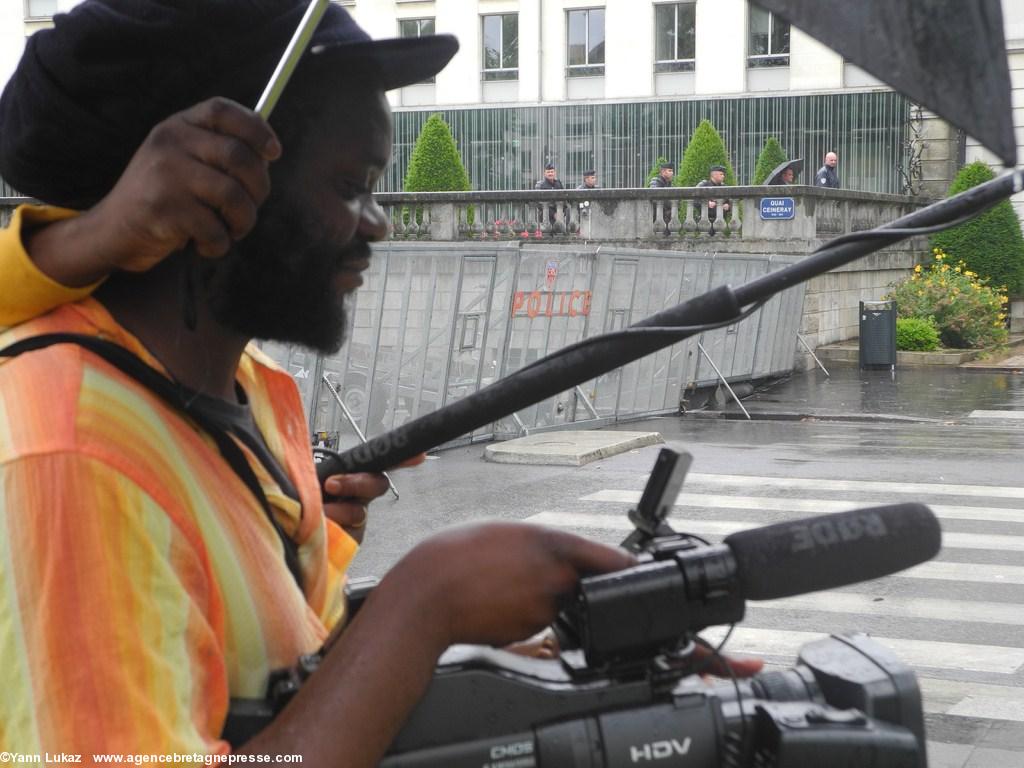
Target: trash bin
[[878, 334]]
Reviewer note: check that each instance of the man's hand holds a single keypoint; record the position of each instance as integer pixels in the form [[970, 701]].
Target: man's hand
[[496, 583], [352, 494], [724, 665], [487, 583], [199, 177]]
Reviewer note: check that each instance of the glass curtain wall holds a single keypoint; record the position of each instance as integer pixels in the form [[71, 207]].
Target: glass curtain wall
[[506, 148]]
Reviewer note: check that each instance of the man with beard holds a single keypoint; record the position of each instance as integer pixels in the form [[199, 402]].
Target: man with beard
[[165, 547]]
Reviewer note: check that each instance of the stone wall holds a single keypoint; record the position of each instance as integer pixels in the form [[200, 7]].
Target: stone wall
[[832, 300]]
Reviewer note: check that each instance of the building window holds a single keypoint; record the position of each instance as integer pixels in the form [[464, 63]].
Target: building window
[[501, 47], [416, 28], [40, 9], [769, 40], [675, 36], [585, 42]]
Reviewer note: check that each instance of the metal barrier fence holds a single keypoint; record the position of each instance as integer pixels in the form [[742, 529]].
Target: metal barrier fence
[[434, 322]]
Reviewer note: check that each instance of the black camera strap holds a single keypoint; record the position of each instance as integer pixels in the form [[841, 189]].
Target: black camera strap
[[131, 365]]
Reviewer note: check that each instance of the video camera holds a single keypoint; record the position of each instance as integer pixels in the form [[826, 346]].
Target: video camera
[[626, 688]]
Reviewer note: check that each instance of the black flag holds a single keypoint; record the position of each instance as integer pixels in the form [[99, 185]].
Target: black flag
[[947, 55]]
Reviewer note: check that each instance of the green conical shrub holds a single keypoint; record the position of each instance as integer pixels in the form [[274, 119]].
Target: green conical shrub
[[705, 149], [435, 165], [771, 157], [990, 244]]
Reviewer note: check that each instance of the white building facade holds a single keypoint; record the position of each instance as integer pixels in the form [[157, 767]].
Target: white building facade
[[614, 85]]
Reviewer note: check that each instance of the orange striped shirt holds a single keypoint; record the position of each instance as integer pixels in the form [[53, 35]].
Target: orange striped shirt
[[141, 585]]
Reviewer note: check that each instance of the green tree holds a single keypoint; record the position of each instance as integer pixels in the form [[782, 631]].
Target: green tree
[[435, 165], [990, 244], [654, 169], [771, 157], [705, 149]]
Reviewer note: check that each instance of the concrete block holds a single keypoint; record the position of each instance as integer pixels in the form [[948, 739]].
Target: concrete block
[[983, 757], [568, 448], [943, 755]]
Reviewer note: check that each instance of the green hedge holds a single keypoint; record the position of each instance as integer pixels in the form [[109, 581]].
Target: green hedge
[[705, 149], [436, 165], [916, 334], [771, 157], [990, 244]]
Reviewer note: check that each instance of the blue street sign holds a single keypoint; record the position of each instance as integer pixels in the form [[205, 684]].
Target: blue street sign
[[777, 208]]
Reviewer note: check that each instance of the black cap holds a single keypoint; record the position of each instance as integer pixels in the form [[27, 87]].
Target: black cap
[[714, 168], [666, 166], [590, 173], [87, 92], [549, 167]]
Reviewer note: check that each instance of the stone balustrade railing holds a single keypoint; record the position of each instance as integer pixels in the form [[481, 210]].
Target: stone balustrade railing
[[678, 217], [653, 216]]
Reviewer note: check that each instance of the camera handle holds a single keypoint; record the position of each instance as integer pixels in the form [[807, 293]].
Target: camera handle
[[663, 485]]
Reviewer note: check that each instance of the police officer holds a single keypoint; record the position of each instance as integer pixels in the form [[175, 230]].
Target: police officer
[[827, 176], [550, 181], [716, 178]]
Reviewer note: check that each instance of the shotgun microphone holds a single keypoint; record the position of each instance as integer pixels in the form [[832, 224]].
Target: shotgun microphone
[[682, 588], [830, 551]]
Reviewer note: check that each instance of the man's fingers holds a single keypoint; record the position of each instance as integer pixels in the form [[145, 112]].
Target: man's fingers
[[364, 486], [415, 461], [588, 556], [232, 119], [720, 665], [350, 515], [233, 157], [208, 232], [227, 197], [347, 514]]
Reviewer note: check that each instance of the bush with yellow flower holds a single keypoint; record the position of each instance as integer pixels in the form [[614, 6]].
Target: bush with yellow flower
[[966, 310]]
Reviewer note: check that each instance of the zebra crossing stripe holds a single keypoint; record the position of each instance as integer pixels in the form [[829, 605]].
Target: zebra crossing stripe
[[810, 506], [955, 697], [972, 572], [984, 414], [861, 486], [577, 520], [980, 700], [989, 709], [915, 653], [904, 607]]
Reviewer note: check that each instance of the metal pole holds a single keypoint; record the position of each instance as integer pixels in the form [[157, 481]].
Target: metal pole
[[720, 376], [586, 402], [292, 54], [519, 423], [811, 352], [355, 427]]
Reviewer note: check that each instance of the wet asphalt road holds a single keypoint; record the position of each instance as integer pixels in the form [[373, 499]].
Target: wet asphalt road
[[959, 621]]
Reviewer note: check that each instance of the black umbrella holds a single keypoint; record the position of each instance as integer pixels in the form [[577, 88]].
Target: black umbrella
[[775, 177], [948, 55]]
